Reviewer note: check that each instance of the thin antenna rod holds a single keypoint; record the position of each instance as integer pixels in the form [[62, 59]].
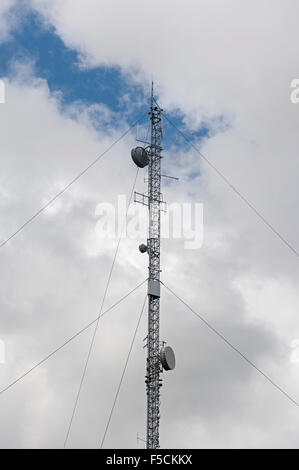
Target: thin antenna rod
[[152, 95]]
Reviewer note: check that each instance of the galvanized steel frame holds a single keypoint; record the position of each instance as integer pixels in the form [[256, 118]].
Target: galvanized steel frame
[[153, 370]]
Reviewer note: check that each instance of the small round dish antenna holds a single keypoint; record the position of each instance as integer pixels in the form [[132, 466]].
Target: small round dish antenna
[[142, 248], [167, 358]]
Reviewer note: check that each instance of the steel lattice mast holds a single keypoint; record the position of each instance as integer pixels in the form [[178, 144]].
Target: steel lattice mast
[[153, 369], [159, 356]]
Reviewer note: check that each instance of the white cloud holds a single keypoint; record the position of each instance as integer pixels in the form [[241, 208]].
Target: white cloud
[[208, 59], [8, 18]]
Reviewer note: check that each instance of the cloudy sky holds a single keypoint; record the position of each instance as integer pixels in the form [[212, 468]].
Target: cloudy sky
[[77, 74]]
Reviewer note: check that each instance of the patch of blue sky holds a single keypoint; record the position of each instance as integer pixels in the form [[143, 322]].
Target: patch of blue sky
[[177, 121], [60, 67]]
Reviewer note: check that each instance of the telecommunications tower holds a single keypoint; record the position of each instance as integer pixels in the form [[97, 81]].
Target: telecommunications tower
[[159, 356]]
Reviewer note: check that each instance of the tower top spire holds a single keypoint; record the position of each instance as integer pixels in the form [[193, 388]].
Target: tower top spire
[[152, 95]]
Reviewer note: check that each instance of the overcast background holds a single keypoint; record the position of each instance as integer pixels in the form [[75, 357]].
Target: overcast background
[[77, 74]]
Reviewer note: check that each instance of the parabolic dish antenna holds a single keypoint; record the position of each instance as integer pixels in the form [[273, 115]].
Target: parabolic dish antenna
[[140, 157], [167, 358]]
